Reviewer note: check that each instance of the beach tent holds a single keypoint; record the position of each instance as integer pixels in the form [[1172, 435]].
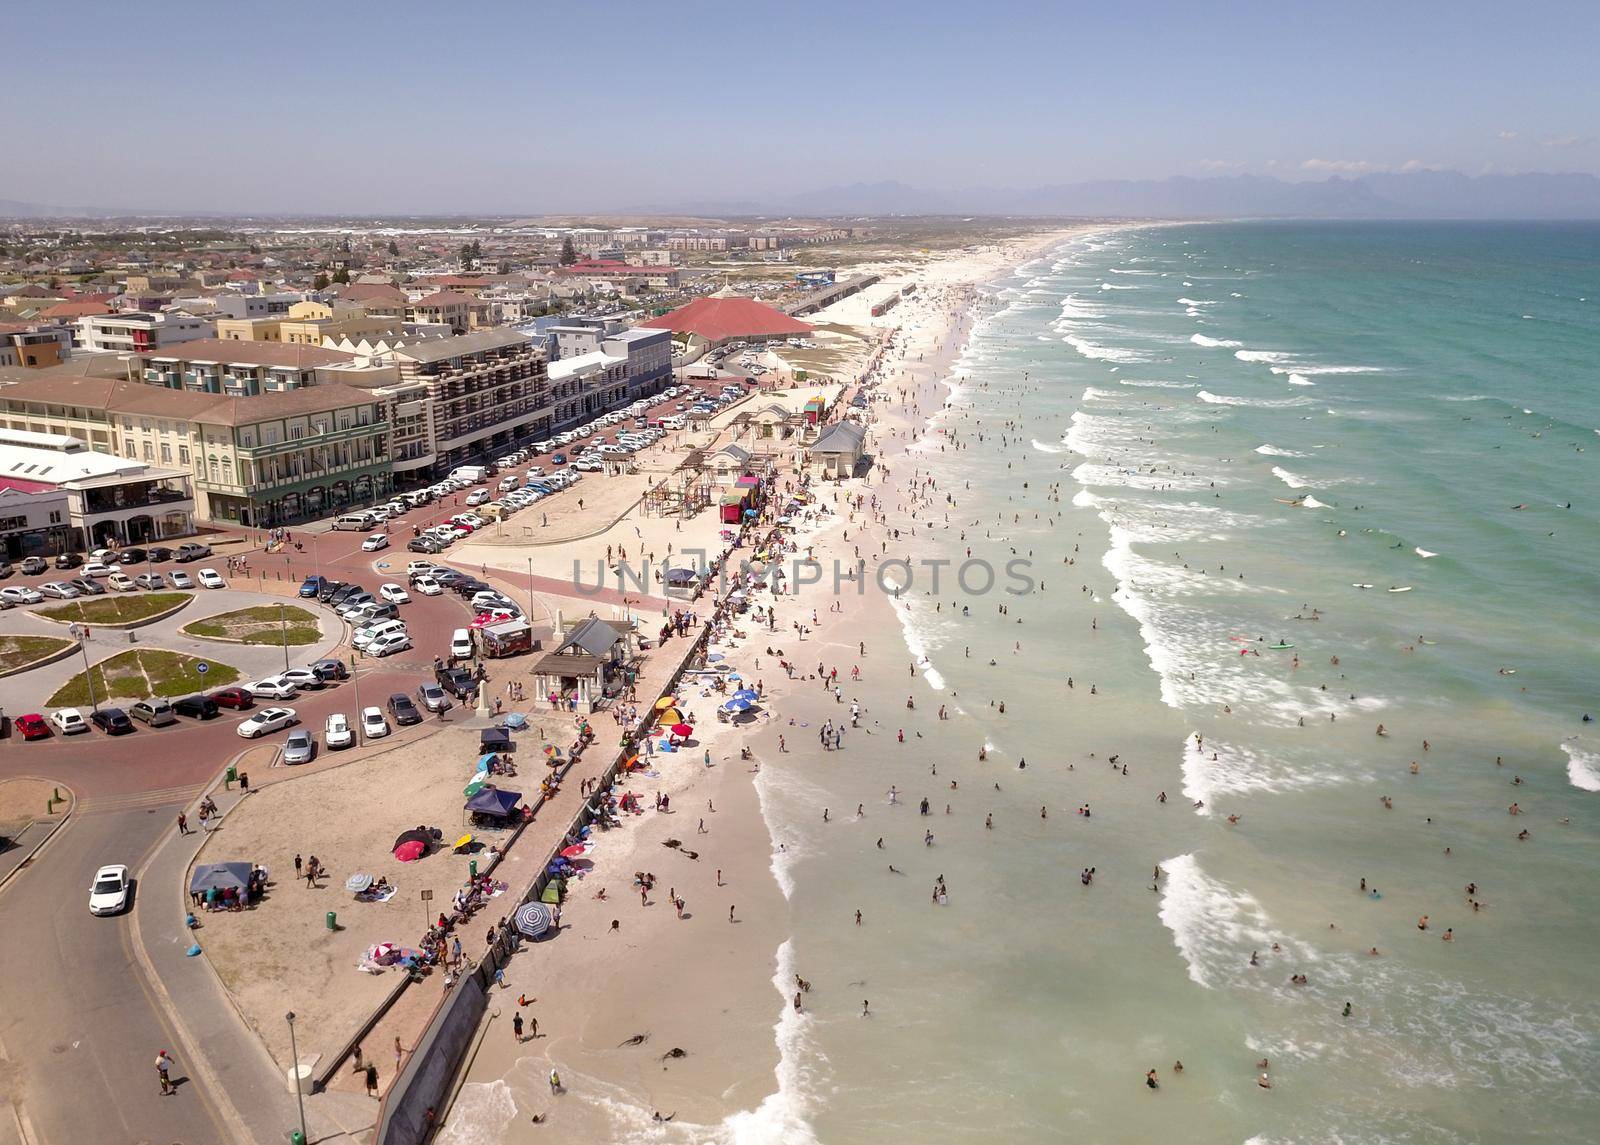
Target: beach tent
[[411, 845], [494, 801], [495, 739], [681, 576], [221, 876]]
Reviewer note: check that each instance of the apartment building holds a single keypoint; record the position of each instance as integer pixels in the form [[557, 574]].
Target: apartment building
[[272, 458], [488, 390], [34, 345], [138, 331], [245, 369], [623, 274], [583, 385], [461, 312]]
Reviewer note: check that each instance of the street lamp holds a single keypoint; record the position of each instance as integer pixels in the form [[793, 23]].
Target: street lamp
[[283, 627], [88, 676], [530, 590], [294, 1053]]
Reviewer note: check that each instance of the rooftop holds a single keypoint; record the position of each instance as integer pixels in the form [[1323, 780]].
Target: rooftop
[[461, 345], [223, 351], [717, 319]]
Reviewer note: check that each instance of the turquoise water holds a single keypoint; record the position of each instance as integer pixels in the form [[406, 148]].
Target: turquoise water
[[1315, 407]]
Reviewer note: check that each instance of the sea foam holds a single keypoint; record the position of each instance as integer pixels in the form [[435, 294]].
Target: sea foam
[[1214, 343]]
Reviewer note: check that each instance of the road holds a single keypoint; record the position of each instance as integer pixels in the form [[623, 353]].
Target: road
[[76, 1016]]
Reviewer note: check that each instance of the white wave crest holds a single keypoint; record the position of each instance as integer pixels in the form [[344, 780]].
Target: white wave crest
[[1311, 502], [1261, 356], [1114, 286], [1583, 767], [1261, 403], [1214, 343], [1197, 302], [1300, 380], [1292, 480], [1102, 353], [1274, 451]]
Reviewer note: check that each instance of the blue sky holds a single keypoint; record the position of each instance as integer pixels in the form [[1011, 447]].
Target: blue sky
[[390, 106]]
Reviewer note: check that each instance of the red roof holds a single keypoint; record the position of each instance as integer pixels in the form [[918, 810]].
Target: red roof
[[445, 298], [716, 319], [610, 266], [75, 310]]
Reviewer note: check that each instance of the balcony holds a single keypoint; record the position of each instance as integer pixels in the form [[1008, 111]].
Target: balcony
[[331, 437]]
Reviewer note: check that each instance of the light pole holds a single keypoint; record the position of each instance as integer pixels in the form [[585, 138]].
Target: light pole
[[295, 1055], [355, 680], [283, 627], [88, 676], [530, 590]]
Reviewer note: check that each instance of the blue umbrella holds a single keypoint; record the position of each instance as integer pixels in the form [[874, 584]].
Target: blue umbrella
[[746, 694], [737, 705], [532, 919], [483, 763], [516, 720]]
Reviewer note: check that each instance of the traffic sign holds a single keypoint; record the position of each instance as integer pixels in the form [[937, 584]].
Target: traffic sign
[[202, 667]]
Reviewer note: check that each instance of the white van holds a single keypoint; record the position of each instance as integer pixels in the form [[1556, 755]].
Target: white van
[[472, 474], [461, 645], [356, 522]]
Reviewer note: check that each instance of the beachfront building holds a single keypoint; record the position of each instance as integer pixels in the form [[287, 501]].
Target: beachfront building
[[137, 332], [838, 451], [488, 389], [590, 656], [708, 322], [245, 369], [585, 385], [273, 458], [64, 496]]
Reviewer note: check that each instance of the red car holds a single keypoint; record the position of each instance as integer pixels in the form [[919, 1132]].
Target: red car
[[33, 726], [233, 698]]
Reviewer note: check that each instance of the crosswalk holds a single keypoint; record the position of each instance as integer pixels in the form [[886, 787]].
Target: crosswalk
[[139, 801]]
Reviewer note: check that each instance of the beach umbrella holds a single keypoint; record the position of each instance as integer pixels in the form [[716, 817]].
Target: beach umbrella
[[516, 720], [682, 730], [474, 787], [664, 703], [410, 852], [551, 749], [573, 851], [464, 841], [737, 706], [746, 694], [382, 952], [532, 918], [670, 716], [485, 760], [735, 676], [357, 883]]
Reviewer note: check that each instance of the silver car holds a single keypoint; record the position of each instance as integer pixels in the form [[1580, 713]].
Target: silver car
[[299, 747]]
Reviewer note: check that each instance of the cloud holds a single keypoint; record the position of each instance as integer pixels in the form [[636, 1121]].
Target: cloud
[[1222, 164], [1507, 135], [1566, 141], [1341, 166], [1411, 165]]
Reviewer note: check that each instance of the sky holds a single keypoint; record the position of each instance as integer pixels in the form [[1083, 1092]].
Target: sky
[[505, 107]]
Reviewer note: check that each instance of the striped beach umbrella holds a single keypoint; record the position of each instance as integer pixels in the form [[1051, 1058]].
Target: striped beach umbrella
[[532, 919]]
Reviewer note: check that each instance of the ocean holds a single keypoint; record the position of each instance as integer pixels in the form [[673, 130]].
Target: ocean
[[1281, 484]]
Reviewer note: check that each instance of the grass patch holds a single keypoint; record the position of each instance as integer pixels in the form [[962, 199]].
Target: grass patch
[[136, 674], [259, 625], [115, 609], [15, 651]]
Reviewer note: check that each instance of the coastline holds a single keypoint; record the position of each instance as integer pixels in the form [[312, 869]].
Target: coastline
[[719, 995]]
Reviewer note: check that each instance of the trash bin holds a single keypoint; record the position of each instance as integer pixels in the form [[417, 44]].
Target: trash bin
[[472, 868], [333, 920], [232, 776], [297, 1138]]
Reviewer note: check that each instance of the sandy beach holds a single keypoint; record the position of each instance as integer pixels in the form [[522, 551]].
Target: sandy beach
[[710, 986]]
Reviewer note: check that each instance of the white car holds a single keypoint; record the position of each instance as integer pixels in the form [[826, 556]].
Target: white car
[[305, 679], [181, 579], [267, 720], [109, 892], [375, 542], [69, 721], [272, 688], [373, 725], [336, 732], [210, 578], [364, 638], [98, 570], [419, 567], [122, 582], [394, 594], [17, 594], [509, 483], [388, 644], [427, 586]]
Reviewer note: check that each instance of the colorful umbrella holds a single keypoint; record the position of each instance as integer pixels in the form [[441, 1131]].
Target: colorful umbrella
[[682, 730], [573, 851], [670, 716], [474, 787], [664, 703], [357, 883], [410, 852], [747, 694], [532, 919], [738, 705], [461, 842]]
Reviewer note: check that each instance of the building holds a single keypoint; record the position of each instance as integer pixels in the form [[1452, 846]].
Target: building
[[837, 451], [34, 345], [65, 496], [244, 369], [648, 352], [380, 299], [610, 270], [243, 306], [585, 385], [274, 458], [488, 390], [460, 312], [713, 321], [588, 658], [137, 331]]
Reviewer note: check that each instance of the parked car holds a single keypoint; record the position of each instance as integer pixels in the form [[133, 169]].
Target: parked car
[[132, 556], [300, 747], [394, 594], [312, 585], [336, 732], [210, 578], [150, 581], [122, 582], [461, 644], [33, 566], [330, 669], [403, 710], [329, 587], [59, 589], [373, 725], [237, 698], [306, 679], [180, 579], [375, 542], [192, 551], [20, 594], [424, 545], [69, 721], [108, 894], [159, 555], [32, 726], [337, 596], [267, 720], [427, 586], [112, 721], [94, 570], [87, 587], [6, 569], [433, 698], [68, 560], [272, 688], [363, 639], [157, 712], [389, 644], [457, 681], [197, 707]]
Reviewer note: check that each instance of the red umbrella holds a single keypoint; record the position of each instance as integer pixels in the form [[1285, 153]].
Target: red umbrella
[[682, 730], [411, 851], [573, 851]]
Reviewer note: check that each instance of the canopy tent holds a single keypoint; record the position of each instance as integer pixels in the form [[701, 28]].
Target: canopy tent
[[416, 834], [495, 739], [681, 576], [494, 801], [221, 876]]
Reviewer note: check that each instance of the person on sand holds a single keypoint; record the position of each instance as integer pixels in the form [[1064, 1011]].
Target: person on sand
[[1151, 1081]]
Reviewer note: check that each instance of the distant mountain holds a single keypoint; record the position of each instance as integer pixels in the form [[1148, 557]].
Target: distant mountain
[[1418, 194]]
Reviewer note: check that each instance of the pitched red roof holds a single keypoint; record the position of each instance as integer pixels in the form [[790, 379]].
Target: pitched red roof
[[445, 298], [75, 310], [715, 319]]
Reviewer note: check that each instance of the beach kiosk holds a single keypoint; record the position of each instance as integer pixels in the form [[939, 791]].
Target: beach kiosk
[[587, 659]]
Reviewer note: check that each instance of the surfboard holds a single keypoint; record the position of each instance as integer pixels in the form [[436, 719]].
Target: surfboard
[[1401, 588], [1280, 647], [1360, 586]]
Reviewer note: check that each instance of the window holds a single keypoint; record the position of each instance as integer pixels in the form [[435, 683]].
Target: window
[[166, 454], [183, 455], [149, 454], [55, 516], [144, 424]]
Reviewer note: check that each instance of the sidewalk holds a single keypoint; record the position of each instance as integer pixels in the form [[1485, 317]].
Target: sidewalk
[[227, 1057]]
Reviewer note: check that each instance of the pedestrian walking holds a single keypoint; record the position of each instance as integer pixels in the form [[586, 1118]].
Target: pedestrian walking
[[516, 1027], [372, 1081], [163, 1072], [183, 823], [297, 863], [399, 1052]]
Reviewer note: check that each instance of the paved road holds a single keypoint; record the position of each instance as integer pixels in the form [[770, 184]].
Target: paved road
[[76, 1018]]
